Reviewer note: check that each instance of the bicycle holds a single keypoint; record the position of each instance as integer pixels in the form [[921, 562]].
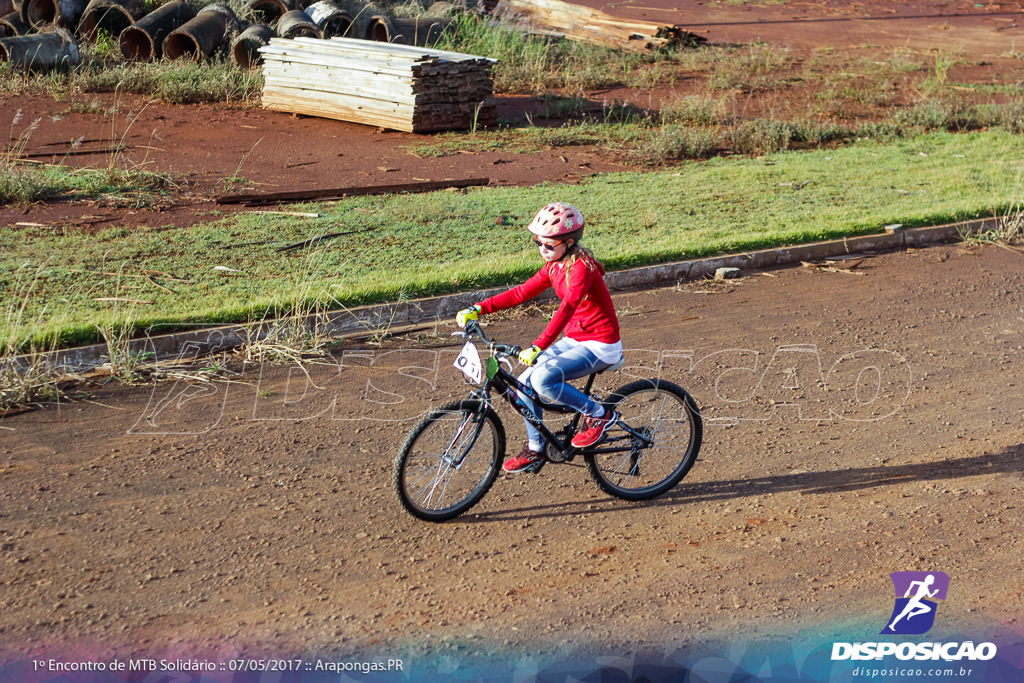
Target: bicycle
[[450, 459]]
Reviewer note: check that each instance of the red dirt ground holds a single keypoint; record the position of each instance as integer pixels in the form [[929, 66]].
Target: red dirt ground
[[974, 28]]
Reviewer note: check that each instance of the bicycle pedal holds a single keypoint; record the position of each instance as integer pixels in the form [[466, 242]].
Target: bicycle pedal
[[534, 468]]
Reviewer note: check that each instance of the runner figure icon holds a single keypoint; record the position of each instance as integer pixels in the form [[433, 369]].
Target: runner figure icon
[[913, 607]]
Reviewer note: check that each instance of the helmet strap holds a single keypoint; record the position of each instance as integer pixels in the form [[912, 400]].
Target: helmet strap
[[569, 250]]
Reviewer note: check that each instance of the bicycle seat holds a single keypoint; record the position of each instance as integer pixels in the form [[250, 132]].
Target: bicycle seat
[[615, 366]]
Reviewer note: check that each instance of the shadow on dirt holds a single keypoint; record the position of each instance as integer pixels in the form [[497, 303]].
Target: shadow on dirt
[[1009, 461], [555, 111]]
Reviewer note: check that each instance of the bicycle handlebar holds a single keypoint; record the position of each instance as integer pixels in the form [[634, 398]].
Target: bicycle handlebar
[[473, 328]]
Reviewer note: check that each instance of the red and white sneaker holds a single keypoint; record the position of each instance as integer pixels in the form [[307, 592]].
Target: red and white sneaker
[[594, 429], [525, 461]]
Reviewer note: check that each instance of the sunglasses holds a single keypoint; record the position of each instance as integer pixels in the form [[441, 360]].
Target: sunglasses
[[547, 247]]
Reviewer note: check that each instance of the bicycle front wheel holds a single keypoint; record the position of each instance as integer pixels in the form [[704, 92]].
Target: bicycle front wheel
[[449, 460], [656, 412]]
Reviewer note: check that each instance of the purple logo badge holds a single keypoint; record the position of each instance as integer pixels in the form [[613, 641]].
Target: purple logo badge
[[916, 595]]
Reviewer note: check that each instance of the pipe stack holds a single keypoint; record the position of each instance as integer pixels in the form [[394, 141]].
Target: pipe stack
[[245, 48], [43, 15], [112, 16], [175, 29], [401, 87], [144, 39], [198, 37], [11, 25], [330, 18], [56, 49]]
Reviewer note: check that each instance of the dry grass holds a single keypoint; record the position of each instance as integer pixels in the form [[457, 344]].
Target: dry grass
[[1011, 226], [27, 377], [299, 333], [29, 380]]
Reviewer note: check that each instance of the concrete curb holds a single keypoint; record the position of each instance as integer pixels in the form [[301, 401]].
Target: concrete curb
[[190, 345]]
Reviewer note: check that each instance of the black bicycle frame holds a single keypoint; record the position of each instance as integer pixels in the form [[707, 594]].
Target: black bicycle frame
[[508, 385]]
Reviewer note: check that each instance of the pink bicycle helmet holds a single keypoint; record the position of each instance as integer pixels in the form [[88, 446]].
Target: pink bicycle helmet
[[556, 219]]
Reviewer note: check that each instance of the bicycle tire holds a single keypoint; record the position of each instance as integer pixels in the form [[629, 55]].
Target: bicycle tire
[[426, 478], [669, 416]]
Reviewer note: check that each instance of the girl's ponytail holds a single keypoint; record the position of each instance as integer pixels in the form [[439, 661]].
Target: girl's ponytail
[[578, 253]]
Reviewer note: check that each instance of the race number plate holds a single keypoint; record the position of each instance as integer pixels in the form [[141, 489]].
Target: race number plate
[[469, 363]]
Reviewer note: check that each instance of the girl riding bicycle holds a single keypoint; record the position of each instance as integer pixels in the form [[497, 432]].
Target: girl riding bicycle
[[586, 315]]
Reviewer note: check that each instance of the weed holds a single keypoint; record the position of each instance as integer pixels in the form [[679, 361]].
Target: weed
[[236, 177], [761, 136], [298, 332], [619, 113], [125, 364], [295, 336], [27, 380], [1013, 53], [559, 107], [105, 46], [936, 80], [124, 360], [568, 135], [927, 115], [1011, 222], [753, 70], [22, 182], [647, 76], [887, 131], [535, 65], [381, 331], [1009, 115], [176, 82], [476, 118], [27, 376], [695, 111], [90, 106], [814, 134], [675, 142], [902, 61], [18, 182]]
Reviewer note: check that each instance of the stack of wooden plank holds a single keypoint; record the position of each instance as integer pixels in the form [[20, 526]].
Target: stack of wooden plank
[[402, 87], [553, 17]]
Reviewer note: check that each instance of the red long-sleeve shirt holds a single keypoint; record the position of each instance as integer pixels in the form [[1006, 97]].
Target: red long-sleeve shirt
[[586, 313]]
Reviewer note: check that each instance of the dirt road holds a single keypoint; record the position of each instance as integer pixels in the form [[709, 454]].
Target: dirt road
[[857, 425]]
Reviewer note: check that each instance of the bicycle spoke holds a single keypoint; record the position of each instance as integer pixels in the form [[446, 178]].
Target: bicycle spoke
[[426, 492], [448, 461], [663, 433]]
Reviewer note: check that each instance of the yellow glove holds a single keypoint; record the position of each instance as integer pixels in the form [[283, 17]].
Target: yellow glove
[[464, 316], [529, 356]]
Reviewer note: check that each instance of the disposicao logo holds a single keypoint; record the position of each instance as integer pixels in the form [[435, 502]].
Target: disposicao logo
[[914, 614], [916, 595]]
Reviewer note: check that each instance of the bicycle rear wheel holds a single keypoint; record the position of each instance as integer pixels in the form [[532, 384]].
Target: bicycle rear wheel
[[662, 413], [449, 460]]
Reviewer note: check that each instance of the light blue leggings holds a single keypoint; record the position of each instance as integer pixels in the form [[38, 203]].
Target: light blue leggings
[[563, 361]]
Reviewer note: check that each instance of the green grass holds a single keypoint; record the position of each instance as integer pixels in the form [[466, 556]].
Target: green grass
[[426, 244], [175, 82], [699, 128], [27, 183], [535, 65]]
